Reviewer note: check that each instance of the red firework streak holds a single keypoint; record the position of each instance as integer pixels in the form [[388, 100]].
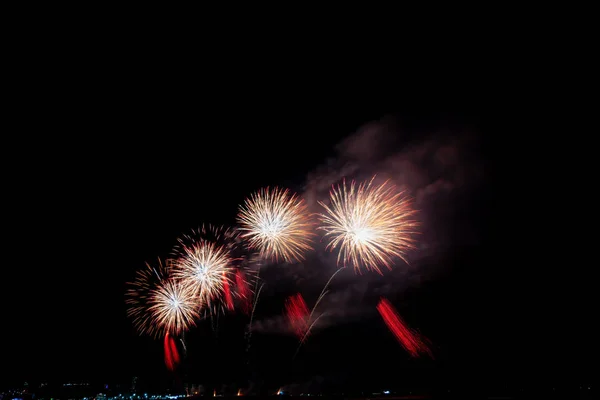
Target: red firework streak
[[227, 290], [297, 314], [409, 339], [244, 291], [171, 353]]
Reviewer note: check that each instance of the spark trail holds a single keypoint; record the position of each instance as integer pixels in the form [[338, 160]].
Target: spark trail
[[310, 317], [323, 292], [171, 353], [244, 291], [409, 339], [252, 318], [297, 314], [307, 333], [227, 292]]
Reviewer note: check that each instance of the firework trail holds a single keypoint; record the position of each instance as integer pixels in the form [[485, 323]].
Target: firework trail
[[297, 314], [252, 318], [184, 346], [310, 317], [256, 292], [173, 307], [277, 223], [323, 293], [244, 291], [409, 339], [370, 224], [228, 297], [168, 357], [254, 307], [307, 333], [171, 353], [139, 293]]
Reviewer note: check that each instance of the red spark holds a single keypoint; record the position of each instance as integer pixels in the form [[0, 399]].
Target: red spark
[[174, 352], [408, 338], [227, 290], [297, 313], [244, 291], [171, 353]]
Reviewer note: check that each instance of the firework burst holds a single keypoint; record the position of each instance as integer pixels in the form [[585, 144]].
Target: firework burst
[[138, 294], [277, 223], [173, 306], [212, 260], [370, 224], [206, 267]]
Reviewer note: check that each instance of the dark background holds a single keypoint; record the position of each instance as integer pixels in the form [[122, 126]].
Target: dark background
[[114, 160]]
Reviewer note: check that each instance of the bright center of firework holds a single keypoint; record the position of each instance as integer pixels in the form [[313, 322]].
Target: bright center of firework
[[201, 272], [362, 235], [273, 227], [175, 302]]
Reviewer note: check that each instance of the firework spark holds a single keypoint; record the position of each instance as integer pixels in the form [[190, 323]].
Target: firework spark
[[277, 223], [312, 312], [171, 353], [168, 356], [244, 291], [227, 291], [249, 330], [409, 339], [370, 224], [174, 306], [297, 314], [138, 296]]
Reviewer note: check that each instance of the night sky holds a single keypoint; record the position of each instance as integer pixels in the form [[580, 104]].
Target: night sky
[[114, 178]]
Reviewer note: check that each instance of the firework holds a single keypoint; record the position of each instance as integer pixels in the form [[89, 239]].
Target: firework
[[249, 329], [171, 353], [206, 267], [297, 314], [139, 292], [173, 306], [212, 259], [370, 224], [312, 312], [227, 291], [277, 223], [243, 289], [409, 339]]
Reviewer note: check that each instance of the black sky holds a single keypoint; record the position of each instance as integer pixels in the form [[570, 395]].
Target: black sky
[[112, 167]]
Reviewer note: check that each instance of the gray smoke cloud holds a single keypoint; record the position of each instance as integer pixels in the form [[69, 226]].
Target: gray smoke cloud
[[439, 170]]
